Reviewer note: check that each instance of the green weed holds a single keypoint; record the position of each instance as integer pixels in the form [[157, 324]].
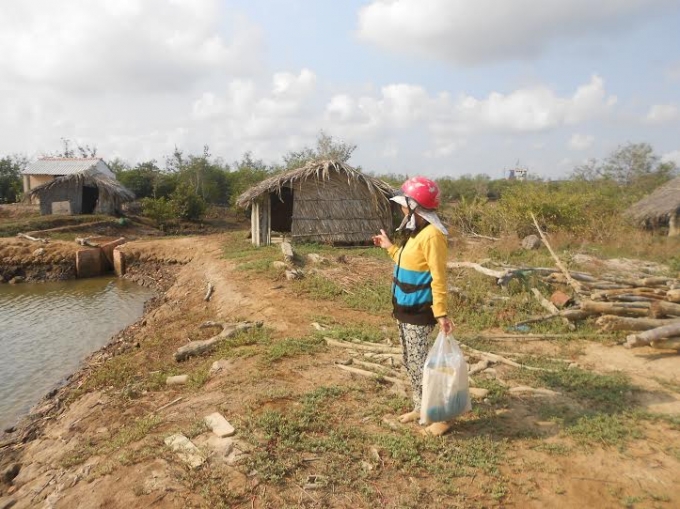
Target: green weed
[[603, 429], [291, 347]]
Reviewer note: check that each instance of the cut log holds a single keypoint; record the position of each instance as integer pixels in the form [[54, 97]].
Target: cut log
[[661, 309], [571, 314], [199, 347], [653, 335], [673, 296], [616, 308], [608, 323], [611, 295], [667, 344]]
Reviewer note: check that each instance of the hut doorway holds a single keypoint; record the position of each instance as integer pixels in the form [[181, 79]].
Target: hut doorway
[[282, 211], [90, 197]]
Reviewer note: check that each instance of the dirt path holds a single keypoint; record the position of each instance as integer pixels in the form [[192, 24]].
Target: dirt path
[[297, 416]]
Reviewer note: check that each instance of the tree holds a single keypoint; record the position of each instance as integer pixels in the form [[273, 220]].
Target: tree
[[632, 165], [247, 172], [79, 150], [10, 178], [326, 148]]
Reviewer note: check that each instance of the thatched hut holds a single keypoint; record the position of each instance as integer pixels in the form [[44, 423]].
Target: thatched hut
[[324, 201], [79, 191], [661, 208]]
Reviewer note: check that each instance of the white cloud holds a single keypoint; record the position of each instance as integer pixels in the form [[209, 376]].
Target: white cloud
[[581, 141], [470, 33], [672, 157], [84, 46], [662, 113]]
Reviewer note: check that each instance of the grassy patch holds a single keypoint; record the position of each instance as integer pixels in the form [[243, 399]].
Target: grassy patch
[[603, 429], [371, 296], [291, 347], [606, 393]]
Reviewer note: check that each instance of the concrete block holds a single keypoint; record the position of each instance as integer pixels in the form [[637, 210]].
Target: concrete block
[[219, 425], [185, 449], [177, 380], [88, 263], [119, 262], [107, 251], [61, 208]]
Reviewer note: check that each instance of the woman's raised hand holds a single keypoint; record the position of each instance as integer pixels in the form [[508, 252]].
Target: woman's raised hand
[[382, 240]]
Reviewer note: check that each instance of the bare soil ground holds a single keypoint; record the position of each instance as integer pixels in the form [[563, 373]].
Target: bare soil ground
[[312, 435]]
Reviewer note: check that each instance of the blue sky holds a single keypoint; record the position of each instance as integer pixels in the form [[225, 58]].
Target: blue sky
[[437, 87]]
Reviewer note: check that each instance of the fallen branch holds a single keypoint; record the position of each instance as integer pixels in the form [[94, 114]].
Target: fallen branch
[[209, 292], [492, 357], [362, 346], [32, 239], [374, 366], [200, 347], [652, 335], [572, 282], [369, 374], [498, 274]]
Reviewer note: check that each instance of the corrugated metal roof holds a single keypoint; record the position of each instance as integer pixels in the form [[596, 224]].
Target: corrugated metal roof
[[60, 166]]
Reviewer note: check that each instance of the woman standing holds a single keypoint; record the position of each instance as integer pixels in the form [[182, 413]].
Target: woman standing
[[419, 283]]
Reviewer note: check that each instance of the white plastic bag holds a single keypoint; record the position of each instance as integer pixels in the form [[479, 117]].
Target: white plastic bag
[[445, 382]]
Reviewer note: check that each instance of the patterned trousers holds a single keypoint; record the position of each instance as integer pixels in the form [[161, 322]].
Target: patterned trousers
[[415, 343]]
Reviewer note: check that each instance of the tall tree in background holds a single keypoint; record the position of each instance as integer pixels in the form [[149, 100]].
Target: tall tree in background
[[633, 165], [79, 151], [326, 148], [10, 178]]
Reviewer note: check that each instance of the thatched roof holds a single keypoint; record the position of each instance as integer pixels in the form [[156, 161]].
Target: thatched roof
[[109, 188], [659, 205], [320, 170]]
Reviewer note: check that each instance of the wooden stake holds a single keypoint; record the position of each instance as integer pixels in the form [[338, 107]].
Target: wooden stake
[[572, 282]]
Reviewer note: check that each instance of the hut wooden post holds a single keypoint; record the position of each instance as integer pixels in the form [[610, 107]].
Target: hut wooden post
[[674, 225], [260, 221]]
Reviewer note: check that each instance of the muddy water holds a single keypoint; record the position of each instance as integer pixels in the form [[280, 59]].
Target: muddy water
[[46, 330]]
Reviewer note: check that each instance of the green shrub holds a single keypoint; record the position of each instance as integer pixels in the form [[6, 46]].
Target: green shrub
[[160, 210], [187, 204]]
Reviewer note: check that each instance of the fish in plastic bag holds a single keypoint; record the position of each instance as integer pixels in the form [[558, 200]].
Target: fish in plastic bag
[[445, 382]]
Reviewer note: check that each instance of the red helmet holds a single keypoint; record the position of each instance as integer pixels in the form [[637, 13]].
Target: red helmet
[[422, 190]]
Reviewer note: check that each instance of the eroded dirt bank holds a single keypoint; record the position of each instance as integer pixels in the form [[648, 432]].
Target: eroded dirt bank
[[309, 434]]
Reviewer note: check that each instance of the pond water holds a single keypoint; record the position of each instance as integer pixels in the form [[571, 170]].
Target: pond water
[[48, 329]]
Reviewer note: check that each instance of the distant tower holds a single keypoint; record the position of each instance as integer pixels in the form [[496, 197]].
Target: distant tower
[[517, 173]]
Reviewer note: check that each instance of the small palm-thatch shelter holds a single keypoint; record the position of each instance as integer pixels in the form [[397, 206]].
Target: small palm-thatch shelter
[[324, 201], [660, 208], [77, 186]]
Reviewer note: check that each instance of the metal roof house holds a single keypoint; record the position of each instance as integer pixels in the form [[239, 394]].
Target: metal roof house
[[326, 201], [74, 186]]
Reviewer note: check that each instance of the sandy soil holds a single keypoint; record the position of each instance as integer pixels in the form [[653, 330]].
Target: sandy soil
[[120, 468]]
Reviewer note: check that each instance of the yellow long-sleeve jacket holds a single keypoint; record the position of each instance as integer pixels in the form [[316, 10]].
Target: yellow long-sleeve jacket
[[419, 283]]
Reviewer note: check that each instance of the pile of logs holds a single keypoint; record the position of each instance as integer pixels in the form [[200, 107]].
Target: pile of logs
[[649, 307]]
